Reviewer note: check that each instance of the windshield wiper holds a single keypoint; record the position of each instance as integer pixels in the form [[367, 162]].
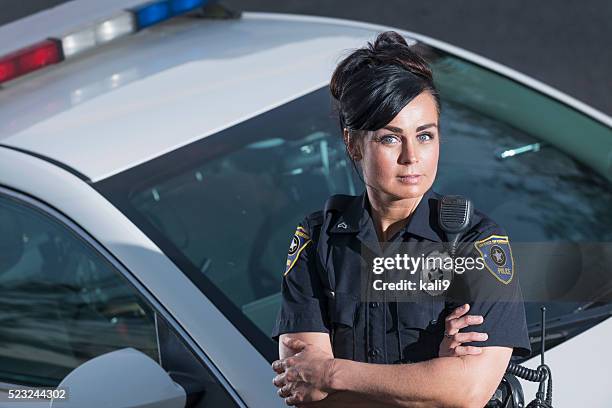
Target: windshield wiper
[[604, 294], [561, 326]]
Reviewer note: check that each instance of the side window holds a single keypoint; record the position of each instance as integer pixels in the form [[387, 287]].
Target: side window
[[61, 303]]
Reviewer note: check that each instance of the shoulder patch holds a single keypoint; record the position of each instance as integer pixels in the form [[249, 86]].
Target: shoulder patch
[[497, 255], [299, 241]]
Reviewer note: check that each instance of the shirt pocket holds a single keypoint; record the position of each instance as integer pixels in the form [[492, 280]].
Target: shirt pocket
[[422, 328], [343, 319], [426, 314]]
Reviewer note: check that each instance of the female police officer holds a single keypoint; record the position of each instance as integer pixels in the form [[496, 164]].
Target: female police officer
[[389, 113]]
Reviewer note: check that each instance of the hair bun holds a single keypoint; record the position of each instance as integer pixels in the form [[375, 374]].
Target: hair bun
[[390, 48], [388, 38], [387, 73]]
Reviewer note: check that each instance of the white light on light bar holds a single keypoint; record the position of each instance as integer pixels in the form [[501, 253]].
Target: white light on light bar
[[100, 33], [115, 27], [76, 42]]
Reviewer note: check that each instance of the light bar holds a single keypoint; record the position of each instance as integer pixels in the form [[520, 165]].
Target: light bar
[[100, 33], [29, 59], [158, 11], [127, 22]]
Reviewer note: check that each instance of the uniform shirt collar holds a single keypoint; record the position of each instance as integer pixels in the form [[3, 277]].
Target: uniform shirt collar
[[423, 221]]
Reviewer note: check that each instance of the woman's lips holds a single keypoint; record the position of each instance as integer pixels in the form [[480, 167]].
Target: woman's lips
[[410, 178]]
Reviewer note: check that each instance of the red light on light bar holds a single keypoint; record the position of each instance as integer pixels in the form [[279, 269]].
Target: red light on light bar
[[29, 59]]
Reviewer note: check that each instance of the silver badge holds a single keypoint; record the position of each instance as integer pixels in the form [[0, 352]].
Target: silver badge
[[435, 275]]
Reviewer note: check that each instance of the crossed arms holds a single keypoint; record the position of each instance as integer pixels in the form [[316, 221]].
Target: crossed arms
[[309, 375]]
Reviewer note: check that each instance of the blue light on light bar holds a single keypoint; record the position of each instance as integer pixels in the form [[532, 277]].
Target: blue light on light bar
[[181, 6], [152, 13], [158, 11]]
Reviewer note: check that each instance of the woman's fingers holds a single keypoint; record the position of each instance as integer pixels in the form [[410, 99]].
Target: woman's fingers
[[285, 391], [279, 380], [293, 343], [453, 340], [458, 312], [456, 320], [295, 398], [460, 338], [455, 347], [454, 325], [278, 367]]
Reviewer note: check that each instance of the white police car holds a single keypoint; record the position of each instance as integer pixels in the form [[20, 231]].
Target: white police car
[[154, 164]]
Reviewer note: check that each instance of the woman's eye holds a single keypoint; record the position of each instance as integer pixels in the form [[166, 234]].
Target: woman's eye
[[424, 137], [389, 139]]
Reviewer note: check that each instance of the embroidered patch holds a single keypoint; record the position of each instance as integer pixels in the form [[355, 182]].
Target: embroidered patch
[[299, 241], [497, 255]]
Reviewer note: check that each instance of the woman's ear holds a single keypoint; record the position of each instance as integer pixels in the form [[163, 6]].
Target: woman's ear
[[351, 146], [346, 137]]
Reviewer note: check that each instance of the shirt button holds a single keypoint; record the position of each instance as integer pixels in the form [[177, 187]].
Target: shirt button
[[373, 352]]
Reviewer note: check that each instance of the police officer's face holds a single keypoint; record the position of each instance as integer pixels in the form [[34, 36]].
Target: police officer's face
[[401, 159]]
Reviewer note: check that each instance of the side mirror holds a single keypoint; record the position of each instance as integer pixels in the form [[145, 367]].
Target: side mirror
[[125, 378]]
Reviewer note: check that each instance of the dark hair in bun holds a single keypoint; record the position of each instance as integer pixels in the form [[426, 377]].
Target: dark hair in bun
[[374, 83]]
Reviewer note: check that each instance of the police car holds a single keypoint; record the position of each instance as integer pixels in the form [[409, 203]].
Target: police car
[[155, 158]]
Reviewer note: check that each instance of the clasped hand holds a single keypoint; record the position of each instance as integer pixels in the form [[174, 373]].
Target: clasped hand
[[305, 376]]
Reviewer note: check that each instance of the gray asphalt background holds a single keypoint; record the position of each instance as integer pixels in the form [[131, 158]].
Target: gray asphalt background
[[564, 43]]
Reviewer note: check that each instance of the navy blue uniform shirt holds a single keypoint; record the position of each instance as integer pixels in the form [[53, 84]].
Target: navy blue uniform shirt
[[330, 255]]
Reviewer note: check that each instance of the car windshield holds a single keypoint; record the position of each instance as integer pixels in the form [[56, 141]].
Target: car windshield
[[224, 208]]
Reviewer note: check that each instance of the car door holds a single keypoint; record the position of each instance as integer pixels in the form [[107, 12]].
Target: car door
[[65, 301]]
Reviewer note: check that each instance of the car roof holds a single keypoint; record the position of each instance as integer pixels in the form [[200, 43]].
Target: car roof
[[167, 86], [125, 103]]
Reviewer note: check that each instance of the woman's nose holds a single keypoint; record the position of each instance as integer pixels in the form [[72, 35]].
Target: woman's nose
[[408, 154]]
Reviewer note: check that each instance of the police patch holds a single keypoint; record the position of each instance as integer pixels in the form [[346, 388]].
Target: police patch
[[497, 255], [299, 241]]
